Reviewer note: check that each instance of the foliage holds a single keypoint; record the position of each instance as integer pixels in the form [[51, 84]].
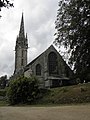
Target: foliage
[[73, 32], [23, 90], [3, 81], [3, 100], [67, 95], [3, 92], [5, 3]]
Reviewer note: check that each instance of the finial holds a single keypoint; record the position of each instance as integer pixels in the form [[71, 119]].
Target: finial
[[22, 13]]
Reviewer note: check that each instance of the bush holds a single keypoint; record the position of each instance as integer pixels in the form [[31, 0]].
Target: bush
[[2, 92], [23, 90]]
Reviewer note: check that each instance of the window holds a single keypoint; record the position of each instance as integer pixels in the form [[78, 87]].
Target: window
[[52, 64], [38, 69]]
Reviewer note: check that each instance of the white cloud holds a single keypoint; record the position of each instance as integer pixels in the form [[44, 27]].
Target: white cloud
[[39, 17]]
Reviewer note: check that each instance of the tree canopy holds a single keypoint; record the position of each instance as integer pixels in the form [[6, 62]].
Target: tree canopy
[[5, 3], [73, 32], [3, 81]]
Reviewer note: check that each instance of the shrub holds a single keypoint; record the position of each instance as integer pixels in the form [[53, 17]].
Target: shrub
[[22, 90], [2, 92]]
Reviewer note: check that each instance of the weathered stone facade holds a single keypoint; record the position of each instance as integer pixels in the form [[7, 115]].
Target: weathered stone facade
[[49, 67]]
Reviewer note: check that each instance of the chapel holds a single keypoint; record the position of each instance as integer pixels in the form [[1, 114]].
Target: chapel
[[49, 67]]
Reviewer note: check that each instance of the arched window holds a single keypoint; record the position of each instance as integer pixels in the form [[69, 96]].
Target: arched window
[[52, 64], [38, 69]]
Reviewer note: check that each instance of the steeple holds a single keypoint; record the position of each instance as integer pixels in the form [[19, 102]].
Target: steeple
[[21, 32], [21, 49]]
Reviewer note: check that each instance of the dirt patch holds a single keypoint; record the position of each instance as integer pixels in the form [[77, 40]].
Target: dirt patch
[[74, 112]]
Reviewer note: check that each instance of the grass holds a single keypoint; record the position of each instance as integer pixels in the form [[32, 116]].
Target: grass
[[75, 94], [3, 103], [67, 95]]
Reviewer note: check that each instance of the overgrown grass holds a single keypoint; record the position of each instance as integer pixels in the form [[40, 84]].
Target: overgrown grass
[[67, 95], [3, 101]]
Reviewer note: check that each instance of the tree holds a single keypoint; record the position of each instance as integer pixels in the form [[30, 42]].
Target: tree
[[23, 90], [73, 32], [5, 3], [3, 81]]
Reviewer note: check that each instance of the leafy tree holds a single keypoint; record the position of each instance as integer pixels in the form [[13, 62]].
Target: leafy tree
[[73, 32], [23, 90], [3, 81], [5, 3]]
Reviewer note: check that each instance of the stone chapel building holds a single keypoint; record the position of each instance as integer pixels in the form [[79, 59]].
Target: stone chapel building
[[48, 67]]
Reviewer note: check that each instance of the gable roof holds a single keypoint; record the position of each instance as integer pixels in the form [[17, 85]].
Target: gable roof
[[27, 66]]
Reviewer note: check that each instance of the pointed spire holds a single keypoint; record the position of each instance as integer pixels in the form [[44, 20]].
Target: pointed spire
[[26, 41], [21, 32]]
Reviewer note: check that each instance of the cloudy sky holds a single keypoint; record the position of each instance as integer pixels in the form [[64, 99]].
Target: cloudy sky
[[39, 18]]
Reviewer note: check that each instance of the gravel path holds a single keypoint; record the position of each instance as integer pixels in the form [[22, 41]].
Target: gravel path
[[78, 112]]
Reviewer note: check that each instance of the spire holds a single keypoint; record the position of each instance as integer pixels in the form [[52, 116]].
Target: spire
[[21, 49], [21, 32], [26, 41]]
